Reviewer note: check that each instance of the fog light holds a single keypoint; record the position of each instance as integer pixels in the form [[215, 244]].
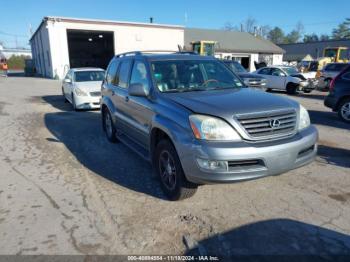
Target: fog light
[[213, 165]]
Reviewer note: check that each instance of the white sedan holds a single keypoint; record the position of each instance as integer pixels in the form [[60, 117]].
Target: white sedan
[[285, 78], [82, 87]]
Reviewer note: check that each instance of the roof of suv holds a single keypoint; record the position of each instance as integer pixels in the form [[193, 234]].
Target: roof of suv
[[79, 69], [171, 56]]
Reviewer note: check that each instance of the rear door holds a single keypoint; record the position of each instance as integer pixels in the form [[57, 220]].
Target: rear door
[[120, 96]]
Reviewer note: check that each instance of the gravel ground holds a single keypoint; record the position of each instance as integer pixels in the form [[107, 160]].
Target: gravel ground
[[65, 190]]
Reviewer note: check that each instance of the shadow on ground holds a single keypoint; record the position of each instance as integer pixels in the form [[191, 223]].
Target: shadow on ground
[[330, 119], [81, 132], [334, 156], [276, 240]]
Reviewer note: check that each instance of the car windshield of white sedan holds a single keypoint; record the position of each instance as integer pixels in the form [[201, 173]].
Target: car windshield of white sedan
[[193, 75], [291, 70], [87, 76]]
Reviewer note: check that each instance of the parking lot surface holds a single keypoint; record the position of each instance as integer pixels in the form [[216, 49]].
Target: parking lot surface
[[64, 189]]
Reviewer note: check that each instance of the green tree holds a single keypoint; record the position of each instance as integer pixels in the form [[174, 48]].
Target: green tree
[[324, 37], [292, 37], [342, 31], [310, 38], [276, 35], [16, 61]]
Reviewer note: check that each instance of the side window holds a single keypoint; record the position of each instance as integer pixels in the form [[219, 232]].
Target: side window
[[111, 72], [277, 72], [139, 74], [265, 71], [123, 74], [346, 76]]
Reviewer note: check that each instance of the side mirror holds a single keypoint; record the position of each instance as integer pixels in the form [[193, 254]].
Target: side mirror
[[67, 80], [138, 89]]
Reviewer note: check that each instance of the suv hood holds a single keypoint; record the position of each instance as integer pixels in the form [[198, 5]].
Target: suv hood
[[226, 103], [91, 86]]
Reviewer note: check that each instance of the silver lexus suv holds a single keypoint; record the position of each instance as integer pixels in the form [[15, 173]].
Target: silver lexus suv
[[197, 123]]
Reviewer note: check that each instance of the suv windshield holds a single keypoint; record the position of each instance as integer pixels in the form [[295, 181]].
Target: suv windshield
[[86, 76], [192, 75], [290, 70]]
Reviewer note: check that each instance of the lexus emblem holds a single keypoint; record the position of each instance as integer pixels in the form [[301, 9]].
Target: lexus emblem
[[274, 123]]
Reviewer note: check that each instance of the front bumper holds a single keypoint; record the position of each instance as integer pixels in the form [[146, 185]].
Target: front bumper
[[268, 158], [87, 102]]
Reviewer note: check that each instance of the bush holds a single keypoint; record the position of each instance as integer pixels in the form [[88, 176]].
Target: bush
[[16, 61]]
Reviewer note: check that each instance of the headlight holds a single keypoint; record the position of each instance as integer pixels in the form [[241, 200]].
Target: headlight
[[212, 128], [79, 92], [304, 119]]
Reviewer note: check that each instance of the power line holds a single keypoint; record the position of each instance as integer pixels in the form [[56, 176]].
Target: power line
[[13, 35]]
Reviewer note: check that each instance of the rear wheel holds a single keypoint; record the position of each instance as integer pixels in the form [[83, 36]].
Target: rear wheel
[[169, 170], [291, 88], [108, 126], [344, 110]]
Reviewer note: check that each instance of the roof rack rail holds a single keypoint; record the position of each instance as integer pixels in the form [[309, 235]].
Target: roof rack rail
[[128, 54], [135, 53]]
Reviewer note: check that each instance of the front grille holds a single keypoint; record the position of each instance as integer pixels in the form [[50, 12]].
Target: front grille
[[269, 125], [95, 93]]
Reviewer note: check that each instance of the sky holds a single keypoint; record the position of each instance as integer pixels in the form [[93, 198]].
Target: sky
[[320, 17]]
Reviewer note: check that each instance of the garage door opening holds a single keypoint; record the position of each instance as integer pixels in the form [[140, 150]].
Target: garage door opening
[[90, 48]]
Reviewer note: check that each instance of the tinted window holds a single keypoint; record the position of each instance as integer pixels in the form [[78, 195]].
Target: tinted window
[[139, 74], [335, 67], [111, 72], [123, 74], [87, 76], [265, 71], [189, 75]]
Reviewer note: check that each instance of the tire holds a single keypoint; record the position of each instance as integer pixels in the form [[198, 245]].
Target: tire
[[307, 91], [174, 185], [291, 88], [108, 126], [64, 97], [73, 103], [268, 89], [344, 110]]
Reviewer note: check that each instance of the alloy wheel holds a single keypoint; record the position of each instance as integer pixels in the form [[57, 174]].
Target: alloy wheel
[[108, 124], [167, 170], [345, 111]]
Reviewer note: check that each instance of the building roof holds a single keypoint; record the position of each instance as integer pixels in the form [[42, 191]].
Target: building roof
[[315, 49], [101, 22], [232, 41]]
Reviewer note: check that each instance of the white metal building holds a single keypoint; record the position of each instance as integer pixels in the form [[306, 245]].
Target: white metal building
[[61, 43]]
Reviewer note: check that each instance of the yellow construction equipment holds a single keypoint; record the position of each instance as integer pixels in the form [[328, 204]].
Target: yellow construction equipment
[[202, 47], [332, 55]]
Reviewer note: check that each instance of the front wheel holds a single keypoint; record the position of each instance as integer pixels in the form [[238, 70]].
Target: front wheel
[[169, 170], [307, 91], [344, 110]]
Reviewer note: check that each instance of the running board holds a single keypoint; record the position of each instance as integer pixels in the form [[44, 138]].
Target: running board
[[134, 146]]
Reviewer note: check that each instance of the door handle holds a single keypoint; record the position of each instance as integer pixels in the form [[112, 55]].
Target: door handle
[[126, 99]]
